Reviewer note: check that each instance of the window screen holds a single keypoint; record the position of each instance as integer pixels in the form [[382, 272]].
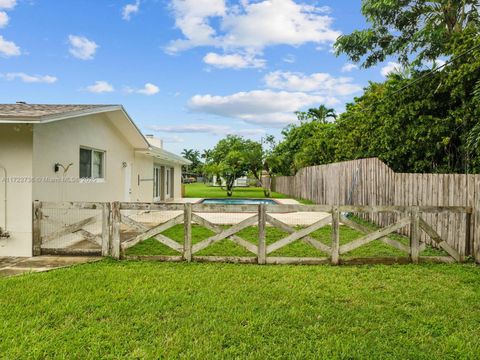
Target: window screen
[[92, 164], [85, 164]]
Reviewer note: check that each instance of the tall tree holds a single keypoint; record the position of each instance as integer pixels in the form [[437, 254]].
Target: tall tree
[[229, 160], [304, 144], [413, 30], [321, 114], [194, 156]]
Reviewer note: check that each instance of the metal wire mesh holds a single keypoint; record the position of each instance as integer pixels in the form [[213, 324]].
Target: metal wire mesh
[[85, 225]]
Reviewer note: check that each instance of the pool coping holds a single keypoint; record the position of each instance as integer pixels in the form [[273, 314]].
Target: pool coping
[[202, 201]]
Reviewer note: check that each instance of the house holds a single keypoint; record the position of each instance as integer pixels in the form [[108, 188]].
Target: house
[[92, 153]]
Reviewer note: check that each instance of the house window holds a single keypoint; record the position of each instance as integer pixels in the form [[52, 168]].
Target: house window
[[92, 164]]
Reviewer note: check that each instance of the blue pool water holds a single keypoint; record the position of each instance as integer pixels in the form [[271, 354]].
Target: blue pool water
[[239, 201]]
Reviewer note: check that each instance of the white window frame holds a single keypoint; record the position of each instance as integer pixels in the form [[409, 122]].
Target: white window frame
[[104, 167]]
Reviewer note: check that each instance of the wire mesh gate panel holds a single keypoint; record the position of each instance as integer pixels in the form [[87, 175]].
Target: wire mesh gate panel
[[71, 228]]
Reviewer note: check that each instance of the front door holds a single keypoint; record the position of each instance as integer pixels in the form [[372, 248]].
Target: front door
[[127, 173]]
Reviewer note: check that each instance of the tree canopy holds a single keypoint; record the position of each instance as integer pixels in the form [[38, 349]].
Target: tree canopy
[[422, 122], [413, 31]]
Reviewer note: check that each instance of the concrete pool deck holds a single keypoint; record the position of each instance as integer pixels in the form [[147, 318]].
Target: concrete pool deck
[[290, 218]]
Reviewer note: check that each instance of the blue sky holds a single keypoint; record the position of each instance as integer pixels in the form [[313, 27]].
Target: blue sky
[[188, 71]]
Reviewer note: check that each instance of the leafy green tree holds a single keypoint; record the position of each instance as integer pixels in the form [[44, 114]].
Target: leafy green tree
[[230, 159], [304, 144], [424, 123], [418, 30]]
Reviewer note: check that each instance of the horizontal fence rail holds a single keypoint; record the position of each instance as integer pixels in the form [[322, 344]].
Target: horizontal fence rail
[[369, 182], [113, 228]]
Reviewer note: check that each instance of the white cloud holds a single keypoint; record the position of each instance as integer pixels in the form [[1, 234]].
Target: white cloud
[[172, 139], [219, 130], [100, 87], [8, 48], [191, 17], [275, 108], [130, 9], [81, 47], [289, 58], [148, 89], [234, 61], [391, 67], [349, 67], [250, 25], [8, 4], [3, 19], [320, 83], [275, 22], [47, 79]]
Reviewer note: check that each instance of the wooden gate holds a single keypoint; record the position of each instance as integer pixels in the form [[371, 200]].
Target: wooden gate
[[70, 228]]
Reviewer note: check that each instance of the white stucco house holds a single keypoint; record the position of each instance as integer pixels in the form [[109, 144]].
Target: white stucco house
[[97, 150]]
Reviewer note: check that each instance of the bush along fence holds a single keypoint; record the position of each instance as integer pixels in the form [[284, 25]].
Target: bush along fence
[[115, 228], [371, 182]]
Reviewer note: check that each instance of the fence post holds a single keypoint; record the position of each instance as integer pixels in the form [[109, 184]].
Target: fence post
[[187, 226], [468, 236], [262, 245], [106, 229], [476, 248], [335, 258], [414, 236], [115, 251], [37, 229]]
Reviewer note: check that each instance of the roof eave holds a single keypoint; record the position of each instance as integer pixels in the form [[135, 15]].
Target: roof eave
[[62, 116], [165, 155]]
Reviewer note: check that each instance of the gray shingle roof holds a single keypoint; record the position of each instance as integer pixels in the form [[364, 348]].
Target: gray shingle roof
[[39, 111]]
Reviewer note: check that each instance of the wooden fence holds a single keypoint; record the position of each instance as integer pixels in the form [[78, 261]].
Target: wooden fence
[[371, 182], [114, 217]]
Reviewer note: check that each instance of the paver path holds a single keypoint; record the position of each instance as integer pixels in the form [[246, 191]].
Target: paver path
[[18, 265]]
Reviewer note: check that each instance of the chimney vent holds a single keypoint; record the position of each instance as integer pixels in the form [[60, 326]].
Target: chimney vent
[[22, 102]]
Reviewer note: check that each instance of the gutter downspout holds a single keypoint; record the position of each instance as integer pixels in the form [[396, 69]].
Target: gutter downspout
[[5, 181]]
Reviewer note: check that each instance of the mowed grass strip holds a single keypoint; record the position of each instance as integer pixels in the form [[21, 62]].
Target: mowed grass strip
[[200, 190], [296, 249], [146, 309]]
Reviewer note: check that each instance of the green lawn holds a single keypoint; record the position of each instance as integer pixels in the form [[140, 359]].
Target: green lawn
[[200, 190], [152, 310]]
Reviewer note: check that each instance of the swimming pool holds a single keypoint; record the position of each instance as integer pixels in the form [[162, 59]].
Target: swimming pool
[[239, 201]]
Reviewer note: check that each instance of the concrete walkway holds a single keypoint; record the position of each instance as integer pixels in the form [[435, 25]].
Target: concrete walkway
[[10, 266]]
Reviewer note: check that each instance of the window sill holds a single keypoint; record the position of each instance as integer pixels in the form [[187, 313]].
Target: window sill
[[92, 181]]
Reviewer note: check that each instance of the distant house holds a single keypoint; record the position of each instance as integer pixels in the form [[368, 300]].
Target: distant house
[[76, 153]]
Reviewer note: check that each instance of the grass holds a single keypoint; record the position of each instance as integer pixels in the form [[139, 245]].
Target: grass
[[139, 310], [200, 190], [296, 249]]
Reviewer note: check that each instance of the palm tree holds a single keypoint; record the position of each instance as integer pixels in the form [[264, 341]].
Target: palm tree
[[321, 114], [207, 154], [187, 153]]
